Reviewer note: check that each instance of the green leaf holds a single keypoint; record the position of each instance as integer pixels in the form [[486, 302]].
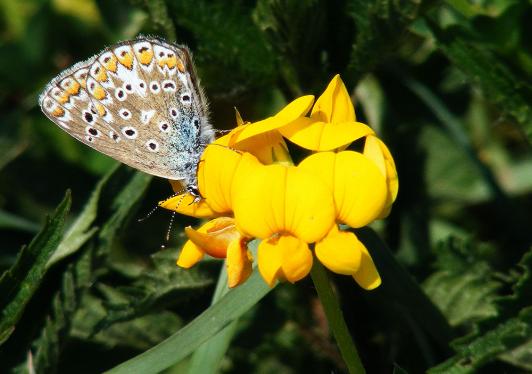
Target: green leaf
[[403, 291], [14, 222], [81, 229], [207, 358], [111, 204], [185, 341], [380, 25], [463, 287], [229, 61], [501, 335], [501, 85], [163, 285], [19, 283]]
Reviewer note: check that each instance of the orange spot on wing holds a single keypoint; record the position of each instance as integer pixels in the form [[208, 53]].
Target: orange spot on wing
[[126, 59], [145, 57], [58, 112], [102, 75], [101, 110], [64, 98], [110, 64], [73, 88], [99, 93]]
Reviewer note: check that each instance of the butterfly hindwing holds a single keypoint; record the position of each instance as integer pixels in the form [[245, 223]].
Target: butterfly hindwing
[[138, 102]]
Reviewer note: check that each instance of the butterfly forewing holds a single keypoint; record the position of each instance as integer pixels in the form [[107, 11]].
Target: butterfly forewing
[[138, 102]]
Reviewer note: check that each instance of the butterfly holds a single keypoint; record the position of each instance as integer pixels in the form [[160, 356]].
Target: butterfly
[[139, 102]]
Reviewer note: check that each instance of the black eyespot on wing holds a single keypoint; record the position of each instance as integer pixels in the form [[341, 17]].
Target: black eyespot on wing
[[88, 117]]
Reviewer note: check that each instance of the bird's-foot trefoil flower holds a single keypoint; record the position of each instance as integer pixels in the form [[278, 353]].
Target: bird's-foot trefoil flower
[[300, 213]]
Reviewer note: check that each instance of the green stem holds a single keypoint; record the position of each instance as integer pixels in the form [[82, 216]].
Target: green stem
[[336, 319]]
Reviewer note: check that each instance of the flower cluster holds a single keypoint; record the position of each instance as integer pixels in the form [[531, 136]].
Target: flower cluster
[[252, 190]]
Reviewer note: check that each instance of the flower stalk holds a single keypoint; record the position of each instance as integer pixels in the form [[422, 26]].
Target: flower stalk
[[335, 317]]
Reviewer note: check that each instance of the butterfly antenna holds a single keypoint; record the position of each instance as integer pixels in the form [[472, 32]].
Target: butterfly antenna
[[173, 215], [149, 214], [170, 227]]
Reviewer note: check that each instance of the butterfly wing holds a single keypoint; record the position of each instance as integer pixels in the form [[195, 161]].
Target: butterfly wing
[[138, 102]]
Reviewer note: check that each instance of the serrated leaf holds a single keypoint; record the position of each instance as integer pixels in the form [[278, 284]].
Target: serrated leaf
[[81, 230], [379, 27], [500, 335], [463, 286], [19, 283], [502, 86], [163, 285], [230, 61]]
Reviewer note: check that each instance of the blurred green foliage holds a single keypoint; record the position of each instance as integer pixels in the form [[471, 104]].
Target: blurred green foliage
[[446, 84]]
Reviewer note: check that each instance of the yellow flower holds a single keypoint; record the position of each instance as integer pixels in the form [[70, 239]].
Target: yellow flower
[[332, 123], [247, 180]]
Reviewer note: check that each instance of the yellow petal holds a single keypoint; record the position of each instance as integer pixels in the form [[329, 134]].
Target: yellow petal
[[268, 147], [358, 186], [190, 255], [367, 276], [239, 263], [283, 258], [297, 108], [215, 176], [377, 151], [215, 236], [275, 199], [335, 104], [184, 204], [322, 136], [340, 251]]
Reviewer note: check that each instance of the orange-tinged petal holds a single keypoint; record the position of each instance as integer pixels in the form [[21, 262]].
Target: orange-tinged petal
[[215, 176], [184, 204], [238, 264], [340, 251], [215, 236], [192, 253], [297, 108], [322, 136], [367, 276], [284, 257], [274, 199], [358, 186], [335, 104]]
